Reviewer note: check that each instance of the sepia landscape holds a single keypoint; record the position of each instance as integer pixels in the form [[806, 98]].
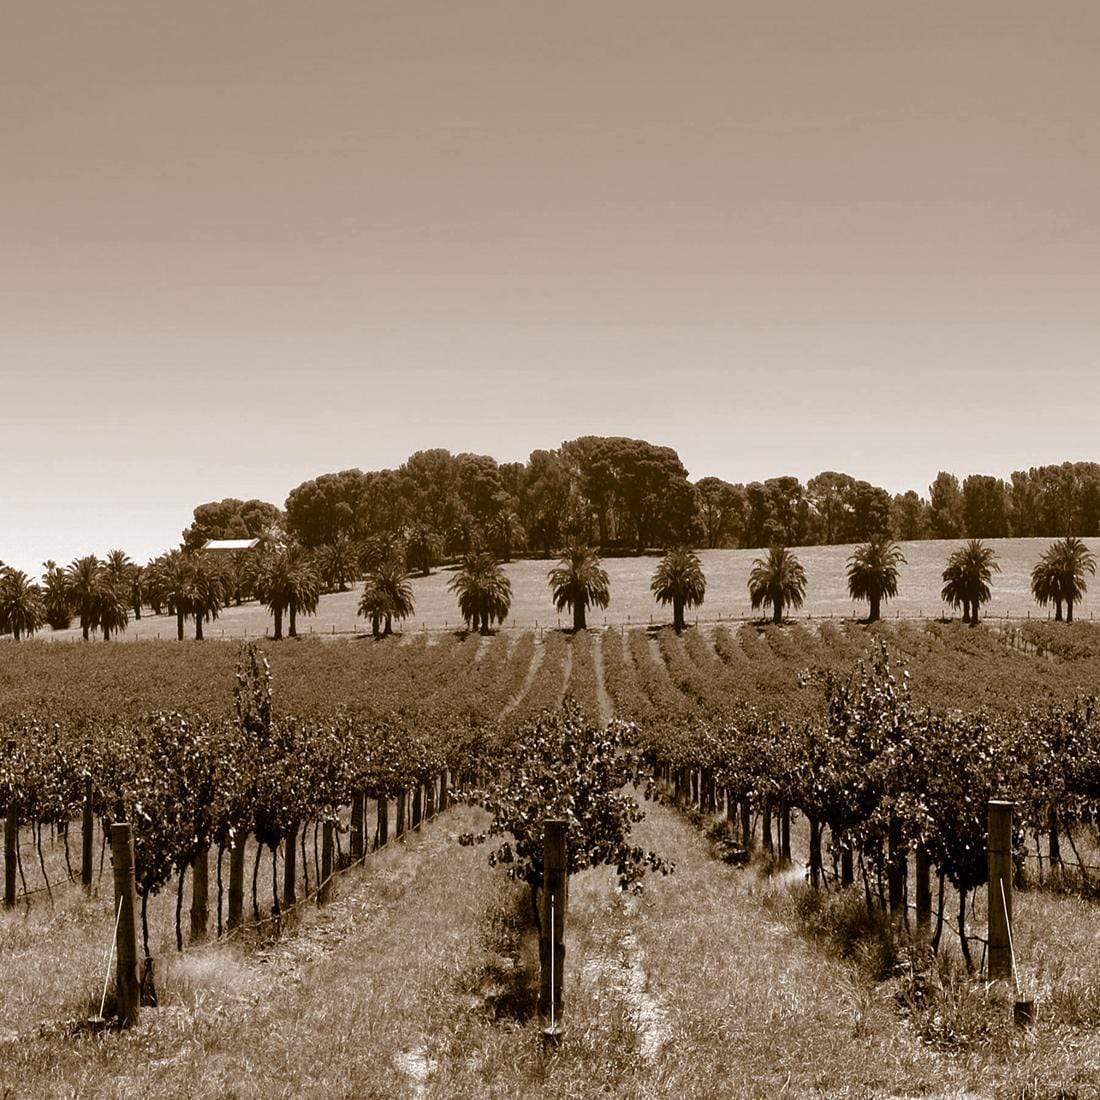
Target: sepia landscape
[[550, 552]]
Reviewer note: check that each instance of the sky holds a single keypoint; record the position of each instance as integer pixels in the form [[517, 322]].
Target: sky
[[244, 244]]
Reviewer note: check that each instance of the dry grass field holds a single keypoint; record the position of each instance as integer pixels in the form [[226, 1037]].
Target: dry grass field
[[631, 601]]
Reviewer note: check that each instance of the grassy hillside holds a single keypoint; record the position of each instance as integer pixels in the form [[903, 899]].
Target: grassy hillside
[[631, 602]]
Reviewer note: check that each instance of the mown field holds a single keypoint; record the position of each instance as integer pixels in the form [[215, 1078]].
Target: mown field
[[720, 981], [727, 574]]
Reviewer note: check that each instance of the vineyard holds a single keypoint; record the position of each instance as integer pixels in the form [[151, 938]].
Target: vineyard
[[258, 780]]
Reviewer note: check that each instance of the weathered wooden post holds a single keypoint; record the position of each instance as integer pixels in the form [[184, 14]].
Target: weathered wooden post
[[897, 871], [400, 813], [555, 876], [200, 895], [924, 889], [11, 841], [324, 892], [999, 849], [127, 989], [236, 881], [357, 825], [383, 819], [290, 867], [87, 829]]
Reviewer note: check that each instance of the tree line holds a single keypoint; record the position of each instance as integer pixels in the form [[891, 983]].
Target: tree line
[[289, 580], [628, 495]]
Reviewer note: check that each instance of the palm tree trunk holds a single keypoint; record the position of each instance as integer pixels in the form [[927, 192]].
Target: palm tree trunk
[[876, 602], [376, 625], [1069, 610], [198, 626], [578, 615], [1057, 611], [278, 623], [106, 633], [179, 626], [966, 611], [293, 631], [389, 625], [485, 622], [84, 629], [777, 615], [677, 615]]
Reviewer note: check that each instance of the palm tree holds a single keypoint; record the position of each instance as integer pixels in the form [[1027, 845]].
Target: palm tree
[[1059, 575], [386, 594], [208, 590], [967, 576], [286, 582], [484, 592], [172, 586], [421, 548], [117, 566], [83, 584], [56, 597], [337, 563], [873, 573], [137, 588], [112, 606], [679, 580], [21, 608], [505, 532], [777, 581], [578, 582]]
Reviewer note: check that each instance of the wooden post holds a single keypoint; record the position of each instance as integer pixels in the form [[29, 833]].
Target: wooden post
[[290, 867], [924, 889], [897, 872], [324, 892], [236, 881], [383, 819], [357, 825], [552, 911], [87, 827], [999, 849], [200, 892], [127, 989], [400, 813], [11, 841], [11, 858]]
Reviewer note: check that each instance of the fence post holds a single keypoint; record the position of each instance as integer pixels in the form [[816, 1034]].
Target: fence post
[[552, 946], [127, 989], [290, 867], [999, 849], [200, 891], [87, 823], [924, 889], [324, 892], [11, 844], [236, 881], [357, 825], [383, 818]]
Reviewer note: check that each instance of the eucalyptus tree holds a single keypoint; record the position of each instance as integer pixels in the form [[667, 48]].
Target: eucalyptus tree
[[777, 581], [679, 580], [579, 582], [873, 573]]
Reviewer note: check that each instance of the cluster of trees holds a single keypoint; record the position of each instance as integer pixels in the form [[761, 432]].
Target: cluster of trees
[[628, 495]]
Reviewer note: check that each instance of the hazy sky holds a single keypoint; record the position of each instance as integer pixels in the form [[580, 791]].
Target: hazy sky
[[246, 243]]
